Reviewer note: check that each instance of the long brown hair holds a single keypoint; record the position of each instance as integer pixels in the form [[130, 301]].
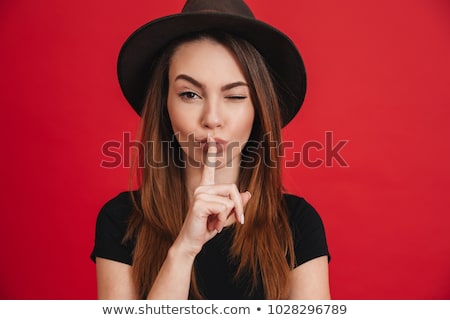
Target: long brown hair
[[263, 246]]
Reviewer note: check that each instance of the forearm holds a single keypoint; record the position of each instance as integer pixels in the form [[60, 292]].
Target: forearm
[[174, 278]]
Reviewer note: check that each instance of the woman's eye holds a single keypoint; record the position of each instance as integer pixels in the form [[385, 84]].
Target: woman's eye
[[237, 97], [189, 95]]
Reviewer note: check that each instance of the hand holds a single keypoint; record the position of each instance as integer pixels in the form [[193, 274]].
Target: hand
[[211, 205]]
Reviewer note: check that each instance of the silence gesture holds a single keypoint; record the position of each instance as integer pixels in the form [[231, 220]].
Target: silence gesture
[[211, 206]]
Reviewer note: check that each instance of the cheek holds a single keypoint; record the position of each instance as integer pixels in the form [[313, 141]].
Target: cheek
[[175, 120], [246, 123], [183, 125], [173, 114], [178, 119]]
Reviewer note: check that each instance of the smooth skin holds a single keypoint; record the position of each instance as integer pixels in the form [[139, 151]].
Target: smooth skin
[[217, 109]]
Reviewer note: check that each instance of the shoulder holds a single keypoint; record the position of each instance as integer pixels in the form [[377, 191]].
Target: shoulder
[[300, 211], [307, 229], [111, 227], [115, 213], [117, 208], [295, 203]]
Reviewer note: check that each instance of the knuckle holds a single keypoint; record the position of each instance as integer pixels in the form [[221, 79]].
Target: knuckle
[[235, 189], [198, 190], [223, 208], [201, 196], [229, 204]]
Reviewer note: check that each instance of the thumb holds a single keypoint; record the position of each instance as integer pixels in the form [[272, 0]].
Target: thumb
[[245, 196]]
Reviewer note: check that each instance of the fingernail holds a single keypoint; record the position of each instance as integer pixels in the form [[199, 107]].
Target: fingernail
[[242, 218], [219, 230], [249, 194]]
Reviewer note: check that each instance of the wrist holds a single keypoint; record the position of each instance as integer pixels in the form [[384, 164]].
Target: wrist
[[180, 252]]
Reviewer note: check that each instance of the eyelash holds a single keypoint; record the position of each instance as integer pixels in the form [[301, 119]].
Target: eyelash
[[192, 95], [189, 95]]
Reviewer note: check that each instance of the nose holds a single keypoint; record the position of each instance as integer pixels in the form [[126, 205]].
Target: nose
[[212, 116]]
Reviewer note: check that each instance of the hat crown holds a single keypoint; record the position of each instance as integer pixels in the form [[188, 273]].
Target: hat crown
[[235, 7]]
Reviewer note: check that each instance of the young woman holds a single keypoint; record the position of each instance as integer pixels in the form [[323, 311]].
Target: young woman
[[213, 86]]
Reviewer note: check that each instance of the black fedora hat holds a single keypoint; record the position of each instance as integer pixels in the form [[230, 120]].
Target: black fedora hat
[[231, 16]]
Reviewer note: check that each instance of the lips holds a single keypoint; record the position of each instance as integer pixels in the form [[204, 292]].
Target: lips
[[218, 143]]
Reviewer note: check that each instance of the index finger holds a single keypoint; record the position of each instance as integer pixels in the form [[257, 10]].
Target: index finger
[[209, 167]]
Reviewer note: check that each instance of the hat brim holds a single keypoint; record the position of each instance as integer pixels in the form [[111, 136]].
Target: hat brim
[[281, 55]]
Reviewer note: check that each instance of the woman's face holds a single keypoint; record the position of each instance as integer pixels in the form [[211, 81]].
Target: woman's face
[[208, 98]]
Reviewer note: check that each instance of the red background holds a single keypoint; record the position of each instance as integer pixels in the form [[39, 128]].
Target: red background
[[379, 75]]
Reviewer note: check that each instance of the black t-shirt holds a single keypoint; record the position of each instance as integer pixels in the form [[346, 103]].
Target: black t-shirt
[[214, 269]]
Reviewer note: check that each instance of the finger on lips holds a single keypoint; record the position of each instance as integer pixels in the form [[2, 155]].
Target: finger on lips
[[229, 191], [209, 167]]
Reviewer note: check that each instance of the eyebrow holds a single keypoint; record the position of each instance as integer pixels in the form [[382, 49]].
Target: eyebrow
[[202, 86]]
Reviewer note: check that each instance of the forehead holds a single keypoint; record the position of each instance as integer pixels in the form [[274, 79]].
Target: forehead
[[205, 59]]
